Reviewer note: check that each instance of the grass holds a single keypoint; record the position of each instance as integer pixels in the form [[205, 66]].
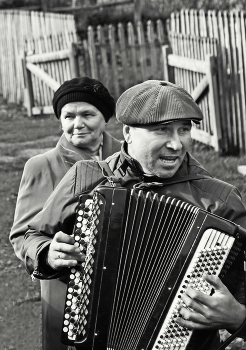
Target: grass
[[20, 311]]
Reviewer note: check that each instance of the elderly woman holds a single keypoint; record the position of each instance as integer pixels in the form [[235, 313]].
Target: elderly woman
[[83, 106]]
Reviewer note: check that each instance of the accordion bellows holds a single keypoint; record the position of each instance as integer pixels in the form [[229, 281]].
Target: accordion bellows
[[142, 251]]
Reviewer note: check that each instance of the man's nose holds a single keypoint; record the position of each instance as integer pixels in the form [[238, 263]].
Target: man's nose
[[174, 143], [79, 122]]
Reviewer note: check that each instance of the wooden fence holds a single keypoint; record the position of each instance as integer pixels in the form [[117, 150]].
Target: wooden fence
[[32, 33], [121, 56], [198, 75], [43, 74], [195, 33]]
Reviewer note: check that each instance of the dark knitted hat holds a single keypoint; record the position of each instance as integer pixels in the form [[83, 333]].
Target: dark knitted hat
[[156, 101], [84, 89]]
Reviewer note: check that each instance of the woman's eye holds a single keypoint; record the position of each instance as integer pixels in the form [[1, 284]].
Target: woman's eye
[[89, 114]]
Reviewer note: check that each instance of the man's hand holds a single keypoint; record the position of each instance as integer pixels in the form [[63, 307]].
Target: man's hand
[[219, 311], [62, 252]]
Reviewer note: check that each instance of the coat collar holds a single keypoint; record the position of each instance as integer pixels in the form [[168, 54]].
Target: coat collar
[[189, 166], [72, 154]]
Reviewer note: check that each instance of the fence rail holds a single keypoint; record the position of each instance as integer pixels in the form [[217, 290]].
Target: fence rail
[[33, 33]]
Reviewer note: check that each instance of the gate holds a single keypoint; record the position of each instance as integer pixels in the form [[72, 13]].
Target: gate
[[43, 74], [196, 71]]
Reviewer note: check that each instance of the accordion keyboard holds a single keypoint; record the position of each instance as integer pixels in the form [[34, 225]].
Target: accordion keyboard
[[209, 258], [78, 292]]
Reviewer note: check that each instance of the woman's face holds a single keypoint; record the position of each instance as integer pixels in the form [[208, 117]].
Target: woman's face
[[82, 124]]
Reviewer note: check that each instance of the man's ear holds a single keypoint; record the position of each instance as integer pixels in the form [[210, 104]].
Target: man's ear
[[127, 133]]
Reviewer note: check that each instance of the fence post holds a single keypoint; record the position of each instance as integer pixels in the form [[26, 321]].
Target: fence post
[[138, 9], [28, 88], [214, 103], [167, 70], [73, 60], [92, 53], [112, 44], [86, 58]]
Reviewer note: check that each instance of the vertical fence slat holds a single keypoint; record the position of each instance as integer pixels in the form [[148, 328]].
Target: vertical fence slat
[[160, 32], [86, 58], [5, 68], [142, 51], [223, 84], [114, 66], [231, 78], [234, 79], [154, 66], [124, 59], [242, 44], [213, 99], [241, 87], [132, 46], [92, 52], [104, 73]]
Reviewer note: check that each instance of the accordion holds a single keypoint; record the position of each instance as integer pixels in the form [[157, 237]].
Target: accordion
[[142, 250]]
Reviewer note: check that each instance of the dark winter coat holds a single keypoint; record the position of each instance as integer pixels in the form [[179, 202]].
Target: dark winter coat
[[58, 214]]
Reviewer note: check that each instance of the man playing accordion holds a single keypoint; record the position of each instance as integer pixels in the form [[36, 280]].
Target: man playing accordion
[[156, 117]]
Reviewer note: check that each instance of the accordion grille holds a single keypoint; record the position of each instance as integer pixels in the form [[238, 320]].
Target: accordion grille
[[155, 232]]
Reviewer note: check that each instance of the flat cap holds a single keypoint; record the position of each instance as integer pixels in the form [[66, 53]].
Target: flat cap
[[84, 89], [156, 101]]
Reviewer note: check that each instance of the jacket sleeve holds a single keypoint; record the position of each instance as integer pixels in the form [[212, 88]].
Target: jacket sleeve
[[235, 211], [58, 214], [35, 187], [233, 208]]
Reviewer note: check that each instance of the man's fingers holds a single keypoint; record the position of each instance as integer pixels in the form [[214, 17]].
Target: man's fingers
[[215, 281], [192, 301], [63, 252], [63, 238], [65, 256], [191, 324], [64, 247], [195, 299], [59, 264]]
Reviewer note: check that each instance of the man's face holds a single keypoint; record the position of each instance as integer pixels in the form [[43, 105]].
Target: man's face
[[159, 149], [82, 124]]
